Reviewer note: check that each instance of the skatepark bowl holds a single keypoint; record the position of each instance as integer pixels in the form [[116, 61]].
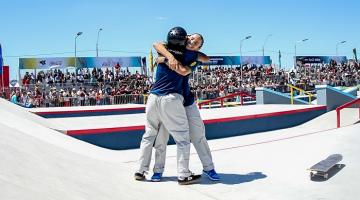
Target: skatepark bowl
[[41, 160]]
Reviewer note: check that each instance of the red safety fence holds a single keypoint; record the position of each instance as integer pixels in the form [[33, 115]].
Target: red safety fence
[[222, 99], [338, 109]]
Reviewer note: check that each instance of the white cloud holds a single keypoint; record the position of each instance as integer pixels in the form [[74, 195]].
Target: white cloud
[[161, 18]]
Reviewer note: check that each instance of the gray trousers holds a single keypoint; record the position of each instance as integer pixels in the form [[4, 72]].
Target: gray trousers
[[197, 137], [167, 111]]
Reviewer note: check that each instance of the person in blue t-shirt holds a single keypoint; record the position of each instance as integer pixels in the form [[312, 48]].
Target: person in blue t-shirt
[[196, 125], [165, 107], [15, 97]]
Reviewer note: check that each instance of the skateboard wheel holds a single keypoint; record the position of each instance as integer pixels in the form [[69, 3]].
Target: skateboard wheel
[[326, 176], [311, 174]]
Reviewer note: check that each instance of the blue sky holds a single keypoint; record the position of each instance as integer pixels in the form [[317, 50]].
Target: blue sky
[[41, 28]]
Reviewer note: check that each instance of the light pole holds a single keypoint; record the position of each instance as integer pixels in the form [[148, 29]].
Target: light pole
[[303, 40], [241, 67], [263, 47], [77, 35], [97, 43], [337, 46]]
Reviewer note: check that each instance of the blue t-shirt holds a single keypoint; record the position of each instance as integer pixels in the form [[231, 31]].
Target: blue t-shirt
[[189, 98], [168, 81], [14, 99]]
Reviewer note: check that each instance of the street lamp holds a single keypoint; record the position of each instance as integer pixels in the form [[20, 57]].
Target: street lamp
[[241, 41], [303, 40], [97, 43], [337, 46], [77, 35], [263, 47]]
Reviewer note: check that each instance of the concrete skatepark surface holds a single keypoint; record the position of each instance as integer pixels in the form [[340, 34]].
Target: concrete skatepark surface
[[41, 163]]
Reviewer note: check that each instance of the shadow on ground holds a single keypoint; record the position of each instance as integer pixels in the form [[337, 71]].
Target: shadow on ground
[[228, 179], [232, 179]]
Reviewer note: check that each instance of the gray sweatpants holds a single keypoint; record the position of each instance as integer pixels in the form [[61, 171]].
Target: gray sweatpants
[[197, 137], [167, 111]]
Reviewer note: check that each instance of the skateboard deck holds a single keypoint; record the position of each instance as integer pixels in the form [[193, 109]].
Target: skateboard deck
[[321, 168]]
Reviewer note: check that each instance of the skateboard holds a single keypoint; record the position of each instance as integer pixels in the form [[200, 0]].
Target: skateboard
[[321, 168]]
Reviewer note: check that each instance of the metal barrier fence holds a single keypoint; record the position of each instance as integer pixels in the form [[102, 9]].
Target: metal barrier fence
[[235, 97], [347, 105], [91, 101]]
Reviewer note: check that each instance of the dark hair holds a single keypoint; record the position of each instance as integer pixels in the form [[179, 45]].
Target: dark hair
[[202, 39]]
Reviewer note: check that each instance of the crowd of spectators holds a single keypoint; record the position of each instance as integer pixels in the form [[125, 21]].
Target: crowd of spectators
[[333, 74], [96, 76], [98, 86], [55, 88], [221, 81]]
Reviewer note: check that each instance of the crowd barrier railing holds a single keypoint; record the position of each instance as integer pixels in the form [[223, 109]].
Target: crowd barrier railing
[[91, 101], [338, 109], [222, 99], [292, 88]]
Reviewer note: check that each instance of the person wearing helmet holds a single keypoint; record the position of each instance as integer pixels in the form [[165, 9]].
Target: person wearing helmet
[[196, 125], [165, 107]]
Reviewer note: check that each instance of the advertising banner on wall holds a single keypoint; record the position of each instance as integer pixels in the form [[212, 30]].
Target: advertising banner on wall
[[320, 59], [235, 60], [81, 62], [1, 61], [5, 76]]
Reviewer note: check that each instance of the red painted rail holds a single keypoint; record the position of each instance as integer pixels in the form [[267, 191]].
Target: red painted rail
[[338, 109], [221, 99]]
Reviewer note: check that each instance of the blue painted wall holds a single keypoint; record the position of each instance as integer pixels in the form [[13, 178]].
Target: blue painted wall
[[332, 97], [131, 139]]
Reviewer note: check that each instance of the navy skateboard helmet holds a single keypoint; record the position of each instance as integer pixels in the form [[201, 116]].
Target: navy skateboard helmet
[[177, 37]]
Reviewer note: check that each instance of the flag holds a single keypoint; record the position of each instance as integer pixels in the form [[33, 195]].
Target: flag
[[355, 54], [151, 60], [279, 59], [2, 69], [1, 61], [143, 65]]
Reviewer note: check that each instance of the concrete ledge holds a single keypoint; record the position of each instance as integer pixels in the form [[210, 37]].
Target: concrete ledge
[[332, 97], [352, 90]]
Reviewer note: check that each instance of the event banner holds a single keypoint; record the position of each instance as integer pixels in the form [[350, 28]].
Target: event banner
[[320, 59], [1, 61], [81, 62], [235, 60], [4, 77]]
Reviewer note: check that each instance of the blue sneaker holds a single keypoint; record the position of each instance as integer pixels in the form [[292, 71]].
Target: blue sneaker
[[156, 177], [212, 175]]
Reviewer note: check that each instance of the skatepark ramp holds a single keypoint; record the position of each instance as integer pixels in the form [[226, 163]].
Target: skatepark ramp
[[40, 163], [7, 107], [332, 97], [352, 90], [268, 96]]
